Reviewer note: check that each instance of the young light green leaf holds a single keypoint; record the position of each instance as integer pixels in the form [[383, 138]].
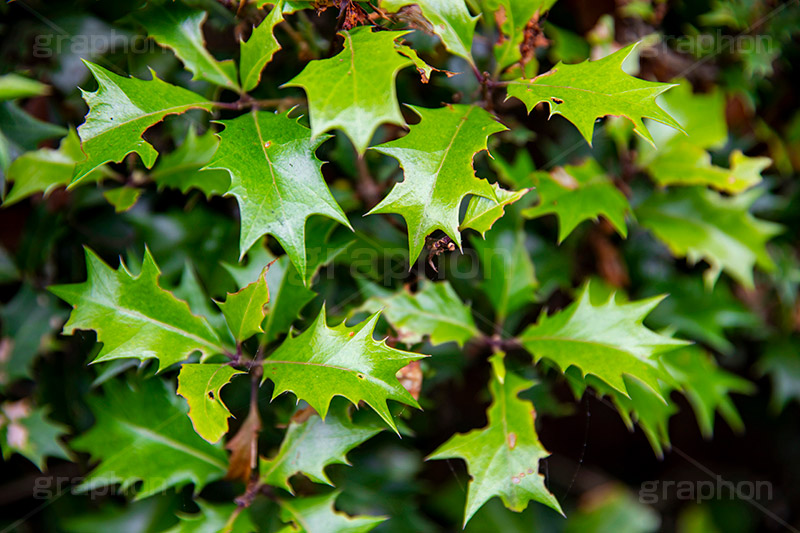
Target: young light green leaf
[[687, 164], [46, 170], [313, 444], [244, 310], [144, 435], [258, 50], [586, 91], [180, 169], [434, 311], [133, 316], [317, 514], [180, 27], [482, 212], [576, 193], [700, 224], [450, 20], [27, 431], [502, 458], [606, 340], [276, 179], [201, 386], [436, 157], [119, 113], [323, 362], [355, 90]]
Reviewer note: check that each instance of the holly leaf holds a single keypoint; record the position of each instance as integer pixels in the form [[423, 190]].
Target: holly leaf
[[311, 445], [355, 90], [201, 386], [122, 198], [133, 316], [181, 168], [45, 170], [687, 164], [244, 310], [323, 362], [119, 113], [512, 17], [144, 435], [586, 91], [436, 157], [317, 514], [276, 179], [604, 339], [708, 387], [502, 458], [700, 224], [180, 28], [258, 50], [434, 311], [192, 292], [227, 517], [575, 193], [14, 86], [27, 431], [482, 212], [450, 20]]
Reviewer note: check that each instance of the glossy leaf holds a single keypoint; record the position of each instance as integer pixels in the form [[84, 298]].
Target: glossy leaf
[[586, 91], [483, 212], [316, 514], [258, 50], [201, 386], [606, 340], [436, 158], [119, 113], [354, 90], [133, 316], [244, 310], [323, 362], [276, 179], [502, 458], [144, 435], [576, 193]]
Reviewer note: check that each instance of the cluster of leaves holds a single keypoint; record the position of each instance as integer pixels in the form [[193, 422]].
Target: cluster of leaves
[[307, 134]]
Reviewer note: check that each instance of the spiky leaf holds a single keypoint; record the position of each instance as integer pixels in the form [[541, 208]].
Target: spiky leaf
[[483, 212], [244, 310], [317, 514], [201, 386], [257, 51]]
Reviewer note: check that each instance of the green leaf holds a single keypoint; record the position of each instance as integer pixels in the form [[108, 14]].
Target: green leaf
[[201, 386], [502, 458], [575, 193], [450, 20], [27, 324], [14, 86], [586, 91], [313, 444], [611, 507], [512, 16], [707, 387], [606, 340], [180, 169], [781, 362], [179, 27], [288, 295], [323, 362], [144, 435], [259, 48], [354, 90], [434, 311], [436, 157], [192, 292], [122, 198], [46, 170], [316, 514], [482, 212], [244, 310], [276, 179], [133, 316], [119, 113], [700, 224], [215, 517], [687, 164], [27, 431]]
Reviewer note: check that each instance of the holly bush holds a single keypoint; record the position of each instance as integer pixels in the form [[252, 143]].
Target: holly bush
[[402, 265]]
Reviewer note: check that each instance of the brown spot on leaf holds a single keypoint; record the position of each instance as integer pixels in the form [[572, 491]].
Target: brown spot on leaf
[[512, 441], [410, 377]]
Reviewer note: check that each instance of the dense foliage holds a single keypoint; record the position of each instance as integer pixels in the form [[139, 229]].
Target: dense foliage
[[401, 265]]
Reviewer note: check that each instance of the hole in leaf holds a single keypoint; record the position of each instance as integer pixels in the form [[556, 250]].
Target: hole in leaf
[[556, 100], [211, 395]]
